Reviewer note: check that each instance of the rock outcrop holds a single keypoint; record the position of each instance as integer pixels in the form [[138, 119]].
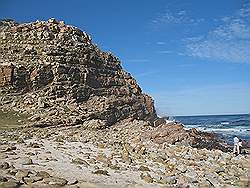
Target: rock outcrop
[[55, 73]]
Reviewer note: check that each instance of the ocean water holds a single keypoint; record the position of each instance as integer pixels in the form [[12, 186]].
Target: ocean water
[[225, 126]]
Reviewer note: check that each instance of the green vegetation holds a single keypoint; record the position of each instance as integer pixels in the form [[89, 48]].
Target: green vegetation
[[11, 119]]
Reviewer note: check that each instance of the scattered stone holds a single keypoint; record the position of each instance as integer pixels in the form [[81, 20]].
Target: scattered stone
[[43, 174], [244, 181], [9, 148], [27, 161], [168, 180], [10, 184], [55, 181], [21, 174], [220, 170], [73, 91], [3, 179], [12, 172], [143, 168], [4, 165], [72, 182], [35, 145], [101, 172], [147, 178], [181, 168], [29, 180], [80, 162]]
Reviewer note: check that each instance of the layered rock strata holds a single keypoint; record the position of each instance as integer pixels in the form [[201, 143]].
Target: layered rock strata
[[55, 73]]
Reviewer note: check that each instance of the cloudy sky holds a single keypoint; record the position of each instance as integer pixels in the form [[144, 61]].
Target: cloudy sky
[[192, 56]]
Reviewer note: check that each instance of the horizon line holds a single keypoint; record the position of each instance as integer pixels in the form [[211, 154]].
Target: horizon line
[[229, 114]]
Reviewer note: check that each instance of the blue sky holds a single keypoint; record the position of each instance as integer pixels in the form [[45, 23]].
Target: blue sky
[[192, 56]]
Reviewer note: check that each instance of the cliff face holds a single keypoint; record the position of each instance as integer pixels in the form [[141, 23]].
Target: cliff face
[[55, 73]]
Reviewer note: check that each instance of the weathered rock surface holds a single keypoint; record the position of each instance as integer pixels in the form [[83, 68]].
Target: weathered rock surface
[[54, 72], [120, 156]]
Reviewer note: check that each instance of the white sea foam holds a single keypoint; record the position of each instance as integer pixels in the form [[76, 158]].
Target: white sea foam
[[225, 123]]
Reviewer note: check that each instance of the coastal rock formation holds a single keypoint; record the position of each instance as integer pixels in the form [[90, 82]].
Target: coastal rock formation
[[116, 157], [89, 124], [55, 73]]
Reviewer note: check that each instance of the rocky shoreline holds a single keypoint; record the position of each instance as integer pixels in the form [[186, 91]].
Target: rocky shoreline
[[71, 116], [116, 157]]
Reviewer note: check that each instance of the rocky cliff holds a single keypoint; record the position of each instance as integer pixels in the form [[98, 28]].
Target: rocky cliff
[[55, 73]]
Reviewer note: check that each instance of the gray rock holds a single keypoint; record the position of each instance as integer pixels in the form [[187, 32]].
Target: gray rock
[[10, 184], [181, 168], [191, 174], [80, 162], [101, 172], [21, 174], [3, 179], [143, 168], [147, 178], [29, 180], [219, 170], [55, 181], [43, 174], [168, 180], [4, 165], [27, 161]]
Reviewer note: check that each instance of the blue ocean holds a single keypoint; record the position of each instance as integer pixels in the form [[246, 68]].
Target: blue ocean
[[225, 126]]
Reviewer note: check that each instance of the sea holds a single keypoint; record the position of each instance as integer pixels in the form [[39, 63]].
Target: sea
[[225, 126]]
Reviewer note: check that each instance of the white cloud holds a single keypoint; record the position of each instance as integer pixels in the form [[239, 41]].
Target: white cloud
[[178, 17], [232, 51], [245, 11], [228, 42]]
